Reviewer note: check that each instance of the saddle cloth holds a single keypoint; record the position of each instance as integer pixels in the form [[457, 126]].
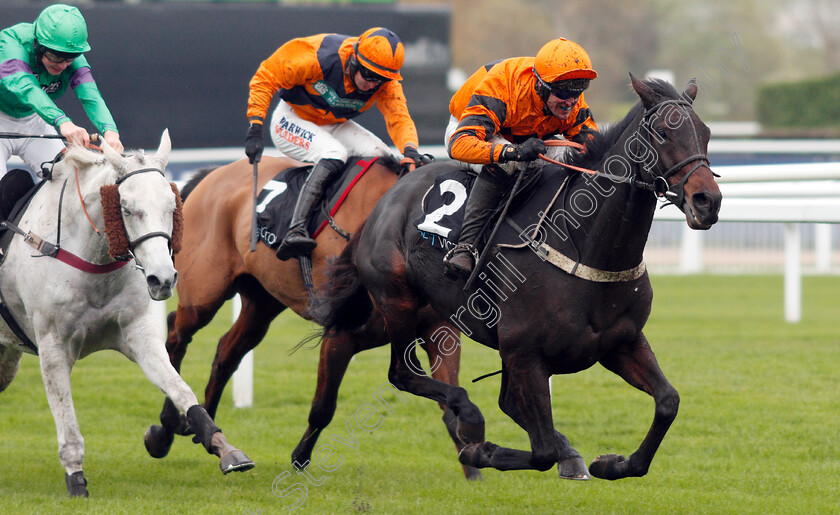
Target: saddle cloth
[[276, 201], [444, 205]]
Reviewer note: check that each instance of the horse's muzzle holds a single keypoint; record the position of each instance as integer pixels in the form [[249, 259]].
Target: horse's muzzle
[[161, 289], [701, 209]]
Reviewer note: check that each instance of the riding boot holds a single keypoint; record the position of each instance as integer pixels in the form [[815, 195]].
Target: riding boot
[[297, 241], [487, 191]]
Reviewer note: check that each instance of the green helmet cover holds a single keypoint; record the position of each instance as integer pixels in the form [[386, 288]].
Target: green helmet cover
[[62, 28]]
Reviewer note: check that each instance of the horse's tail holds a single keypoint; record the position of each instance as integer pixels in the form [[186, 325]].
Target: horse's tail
[[342, 304], [193, 182]]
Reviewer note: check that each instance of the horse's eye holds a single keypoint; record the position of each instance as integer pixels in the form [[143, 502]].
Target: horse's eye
[[125, 211], [662, 133]]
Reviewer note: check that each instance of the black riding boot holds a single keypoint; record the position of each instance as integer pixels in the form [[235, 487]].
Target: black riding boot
[[488, 190], [297, 241]]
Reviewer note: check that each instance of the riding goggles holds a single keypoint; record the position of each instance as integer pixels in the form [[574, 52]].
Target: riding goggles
[[59, 58], [370, 76], [565, 89]]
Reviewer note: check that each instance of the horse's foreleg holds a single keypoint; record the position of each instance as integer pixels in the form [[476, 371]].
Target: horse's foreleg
[[155, 364], [246, 333], [336, 352], [637, 365], [443, 346], [526, 399], [407, 374], [55, 371]]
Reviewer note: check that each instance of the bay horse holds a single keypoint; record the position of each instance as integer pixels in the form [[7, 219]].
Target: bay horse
[[545, 312], [215, 263], [84, 300]]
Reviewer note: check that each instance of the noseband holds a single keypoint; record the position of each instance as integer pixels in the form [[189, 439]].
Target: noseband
[[673, 194]]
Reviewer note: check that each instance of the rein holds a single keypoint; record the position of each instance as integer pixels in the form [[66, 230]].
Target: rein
[[676, 194]]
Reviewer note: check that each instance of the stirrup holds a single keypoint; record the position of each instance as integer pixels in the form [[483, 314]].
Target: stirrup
[[453, 269], [297, 242]]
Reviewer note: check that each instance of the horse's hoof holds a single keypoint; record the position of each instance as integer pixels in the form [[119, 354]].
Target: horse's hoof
[[76, 484], [472, 473], [573, 468], [158, 441], [477, 455], [235, 461], [610, 466], [470, 427]]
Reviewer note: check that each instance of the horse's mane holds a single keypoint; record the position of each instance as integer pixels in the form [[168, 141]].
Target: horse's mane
[[603, 141], [193, 182]]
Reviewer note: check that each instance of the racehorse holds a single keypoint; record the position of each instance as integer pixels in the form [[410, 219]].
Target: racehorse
[[215, 264], [545, 312], [84, 301]]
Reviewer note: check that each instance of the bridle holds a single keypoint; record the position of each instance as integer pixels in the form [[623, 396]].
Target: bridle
[[137, 241], [659, 184], [674, 194]]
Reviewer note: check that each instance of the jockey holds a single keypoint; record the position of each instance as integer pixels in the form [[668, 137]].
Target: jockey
[[500, 116], [323, 81], [38, 61]]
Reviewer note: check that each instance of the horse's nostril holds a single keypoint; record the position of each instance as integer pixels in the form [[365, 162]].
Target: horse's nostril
[[702, 202], [153, 281]]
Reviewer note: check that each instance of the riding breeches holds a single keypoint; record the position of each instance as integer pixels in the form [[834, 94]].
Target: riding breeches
[[33, 151], [307, 141]]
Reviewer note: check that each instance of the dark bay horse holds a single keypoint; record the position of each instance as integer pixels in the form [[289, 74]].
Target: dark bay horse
[[545, 312], [214, 264]]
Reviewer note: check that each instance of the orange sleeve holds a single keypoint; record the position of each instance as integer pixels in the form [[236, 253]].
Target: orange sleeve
[[483, 113], [391, 102], [294, 63]]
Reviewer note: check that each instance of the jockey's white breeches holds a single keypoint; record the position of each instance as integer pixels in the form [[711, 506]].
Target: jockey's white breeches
[[307, 141], [33, 151]]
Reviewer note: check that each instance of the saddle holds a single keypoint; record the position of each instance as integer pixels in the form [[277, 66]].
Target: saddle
[[273, 221]]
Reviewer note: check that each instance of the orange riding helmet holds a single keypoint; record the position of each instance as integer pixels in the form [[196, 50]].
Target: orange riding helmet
[[380, 51], [562, 67]]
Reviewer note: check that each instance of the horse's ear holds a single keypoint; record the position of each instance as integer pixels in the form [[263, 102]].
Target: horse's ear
[[644, 91], [690, 92], [164, 148], [112, 155]]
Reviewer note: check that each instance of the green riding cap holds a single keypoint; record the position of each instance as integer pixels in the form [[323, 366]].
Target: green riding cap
[[62, 28]]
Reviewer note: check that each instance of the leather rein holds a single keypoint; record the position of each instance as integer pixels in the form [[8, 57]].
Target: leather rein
[[673, 194]]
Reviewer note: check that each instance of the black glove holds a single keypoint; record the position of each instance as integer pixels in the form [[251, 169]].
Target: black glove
[[527, 151], [418, 158], [254, 143]]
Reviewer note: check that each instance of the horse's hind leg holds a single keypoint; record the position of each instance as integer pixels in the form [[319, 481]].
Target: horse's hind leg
[[258, 310], [443, 346], [9, 363], [336, 352], [55, 371], [154, 362], [636, 364]]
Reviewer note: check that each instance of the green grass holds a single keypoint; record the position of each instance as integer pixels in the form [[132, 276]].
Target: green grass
[[758, 429]]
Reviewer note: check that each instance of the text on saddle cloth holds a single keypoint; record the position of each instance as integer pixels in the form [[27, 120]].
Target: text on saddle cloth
[[276, 201], [444, 205]]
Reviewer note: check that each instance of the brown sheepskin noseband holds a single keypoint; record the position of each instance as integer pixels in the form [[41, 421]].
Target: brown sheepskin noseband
[[119, 245]]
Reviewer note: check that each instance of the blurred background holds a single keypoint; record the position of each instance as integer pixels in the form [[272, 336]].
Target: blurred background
[[768, 73], [767, 68]]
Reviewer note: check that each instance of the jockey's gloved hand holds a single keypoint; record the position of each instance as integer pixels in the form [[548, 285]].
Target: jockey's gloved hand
[[527, 151], [254, 143], [418, 158]]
